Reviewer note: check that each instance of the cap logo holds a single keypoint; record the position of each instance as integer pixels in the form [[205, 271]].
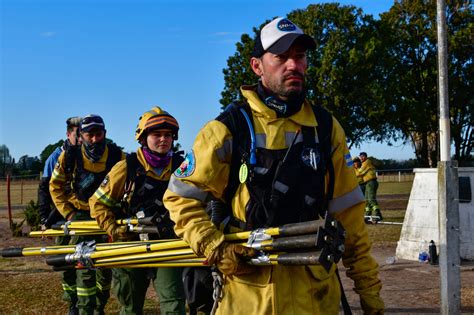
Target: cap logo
[[286, 25]]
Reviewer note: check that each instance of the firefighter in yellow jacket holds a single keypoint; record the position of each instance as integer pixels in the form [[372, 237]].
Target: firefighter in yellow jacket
[[77, 174], [366, 173], [357, 164], [135, 187], [280, 180]]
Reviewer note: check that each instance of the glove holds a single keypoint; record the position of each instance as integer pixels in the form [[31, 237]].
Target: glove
[[372, 305], [229, 259], [120, 233]]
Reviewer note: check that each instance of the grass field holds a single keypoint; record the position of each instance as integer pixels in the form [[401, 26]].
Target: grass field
[[34, 288], [20, 192], [394, 188]]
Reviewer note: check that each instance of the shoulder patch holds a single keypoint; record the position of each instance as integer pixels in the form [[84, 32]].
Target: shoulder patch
[[187, 166]]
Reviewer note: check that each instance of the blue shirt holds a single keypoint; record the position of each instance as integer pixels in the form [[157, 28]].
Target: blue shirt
[[51, 162]]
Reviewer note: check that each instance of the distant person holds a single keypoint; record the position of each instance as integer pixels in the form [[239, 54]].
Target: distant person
[[369, 179], [77, 175], [146, 173], [50, 215], [357, 163]]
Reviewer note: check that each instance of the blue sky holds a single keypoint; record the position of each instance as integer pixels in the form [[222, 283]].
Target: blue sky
[[118, 58]]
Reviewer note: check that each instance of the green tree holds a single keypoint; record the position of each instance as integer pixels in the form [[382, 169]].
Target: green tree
[[6, 160], [110, 141], [48, 150], [460, 19], [28, 165], [238, 71], [344, 71], [410, 41]]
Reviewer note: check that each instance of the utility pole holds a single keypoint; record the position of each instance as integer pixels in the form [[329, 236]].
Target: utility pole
[[448, 200]]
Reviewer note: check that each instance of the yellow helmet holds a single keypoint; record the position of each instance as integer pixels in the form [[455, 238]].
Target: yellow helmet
[[156, 118]]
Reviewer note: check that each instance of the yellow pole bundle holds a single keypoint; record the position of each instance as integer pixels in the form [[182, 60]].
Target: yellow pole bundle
[[323, 238], [61, 233], [66, 249]]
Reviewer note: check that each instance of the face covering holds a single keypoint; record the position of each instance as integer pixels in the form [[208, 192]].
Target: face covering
[[282, 108], [94, 151], [155, 159]]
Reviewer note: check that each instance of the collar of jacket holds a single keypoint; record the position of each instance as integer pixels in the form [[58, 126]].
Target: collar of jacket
[[165, 175], [304, 117]]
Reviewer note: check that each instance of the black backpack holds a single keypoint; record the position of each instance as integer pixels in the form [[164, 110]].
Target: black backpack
[[239, 126]]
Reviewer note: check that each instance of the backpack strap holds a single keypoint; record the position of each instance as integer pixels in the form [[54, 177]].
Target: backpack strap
[[132, 165], [73, 158], [234, 120], [324, 129], [114, 156]]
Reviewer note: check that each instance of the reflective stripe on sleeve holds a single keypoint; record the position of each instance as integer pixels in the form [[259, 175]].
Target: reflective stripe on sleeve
[[261, 140], [225, 152], [290, 136], [58, 176], [346, 201], [102, 197], [186, 191]]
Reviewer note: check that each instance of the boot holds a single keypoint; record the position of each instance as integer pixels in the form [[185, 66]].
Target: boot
[[368, 215], [73, 310], [378, 214]]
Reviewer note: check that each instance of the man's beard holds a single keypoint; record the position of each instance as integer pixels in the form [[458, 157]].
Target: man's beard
[[292, 92]]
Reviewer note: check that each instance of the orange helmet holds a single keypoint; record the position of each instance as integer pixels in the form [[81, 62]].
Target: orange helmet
[[156, 118]]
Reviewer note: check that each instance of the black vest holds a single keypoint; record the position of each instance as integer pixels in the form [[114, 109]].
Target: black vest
[[147, 194], [83, 182], [285, 186]]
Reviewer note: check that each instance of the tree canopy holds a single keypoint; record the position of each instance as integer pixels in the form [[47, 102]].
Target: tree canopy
[[410, 41], [379, 77]]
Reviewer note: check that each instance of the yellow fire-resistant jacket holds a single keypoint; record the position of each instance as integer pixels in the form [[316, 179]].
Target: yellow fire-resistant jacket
[[359, 177], [66, 203], [112, 190], [367, 171], [288, 290]]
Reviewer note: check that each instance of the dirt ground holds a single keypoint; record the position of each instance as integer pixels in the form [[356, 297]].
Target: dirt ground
[[29, 286]]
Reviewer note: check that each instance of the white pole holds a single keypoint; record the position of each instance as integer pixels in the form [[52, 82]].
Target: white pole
[[444, 126], [448, 206]]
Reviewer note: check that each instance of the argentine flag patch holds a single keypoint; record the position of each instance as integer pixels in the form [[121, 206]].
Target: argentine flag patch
[[348, 159]]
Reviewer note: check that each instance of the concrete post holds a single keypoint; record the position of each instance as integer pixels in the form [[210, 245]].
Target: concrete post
[[449, 232]]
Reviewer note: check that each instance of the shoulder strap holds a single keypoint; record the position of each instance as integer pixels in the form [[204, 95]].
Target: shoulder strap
[[114, 155], [132, 165], [72, 157], [235, 122], [176, 160], [324, 129]]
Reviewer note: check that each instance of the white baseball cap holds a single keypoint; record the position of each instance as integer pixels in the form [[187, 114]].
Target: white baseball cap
[[278, 36]]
